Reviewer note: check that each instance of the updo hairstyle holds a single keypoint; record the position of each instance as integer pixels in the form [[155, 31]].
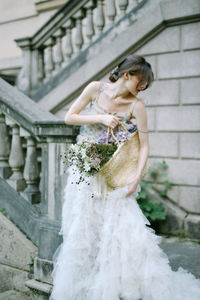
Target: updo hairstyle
[[135, 65]]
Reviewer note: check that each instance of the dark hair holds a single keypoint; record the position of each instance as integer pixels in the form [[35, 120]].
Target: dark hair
[[135, 65]]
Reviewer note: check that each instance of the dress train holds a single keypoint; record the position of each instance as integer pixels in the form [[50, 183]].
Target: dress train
[[110, 253]]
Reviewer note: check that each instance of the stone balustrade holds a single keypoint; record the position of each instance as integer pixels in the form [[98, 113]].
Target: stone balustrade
[[32, 174], [76, 26], [31, 142]]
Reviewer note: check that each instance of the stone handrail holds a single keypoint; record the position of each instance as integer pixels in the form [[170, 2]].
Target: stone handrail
[[75, 26], [31, 142]]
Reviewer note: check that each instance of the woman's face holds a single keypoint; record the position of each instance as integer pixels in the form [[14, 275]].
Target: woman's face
[[132, 84]]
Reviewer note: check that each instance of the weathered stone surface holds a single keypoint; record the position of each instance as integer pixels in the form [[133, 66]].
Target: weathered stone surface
[[182, 252], [190, 32], [190, 198], [190, 145], [192, 226], [12, 278], [151, 118], [175, 216], [183, 172], [20, 248], [166, 41], [49, 241], [182, 64], [43, 269], [15, 295], [170, 11], [39, 290], [151, 59], [178, 119], [163, 144], [172, 194], [190, 90], [165, 92]]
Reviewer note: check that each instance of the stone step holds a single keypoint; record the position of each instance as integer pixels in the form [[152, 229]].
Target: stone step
[[182, 252], [15, 295], [39, 290]]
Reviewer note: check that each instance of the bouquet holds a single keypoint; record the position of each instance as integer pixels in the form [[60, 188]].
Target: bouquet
[[89, 157]]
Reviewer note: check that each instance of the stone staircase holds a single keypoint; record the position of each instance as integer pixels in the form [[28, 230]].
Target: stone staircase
[[31, 178], [16, 261], [80, 43]]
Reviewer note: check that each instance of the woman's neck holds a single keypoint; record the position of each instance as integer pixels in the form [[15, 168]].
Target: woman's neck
[[118, 90]]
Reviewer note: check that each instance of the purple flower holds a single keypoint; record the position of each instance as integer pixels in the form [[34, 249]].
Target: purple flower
[[133, 128], [122, 136], [103, 137]]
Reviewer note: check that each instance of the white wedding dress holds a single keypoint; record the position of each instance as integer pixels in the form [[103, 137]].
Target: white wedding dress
[[108, 250]]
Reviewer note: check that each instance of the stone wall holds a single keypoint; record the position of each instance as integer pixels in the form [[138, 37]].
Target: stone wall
[[173, 109]]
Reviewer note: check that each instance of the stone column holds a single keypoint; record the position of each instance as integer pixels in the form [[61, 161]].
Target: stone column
[[5, 170], [59, 52], [79, 34], [100, 18], [68, 49], [111, 11], [49, 61], [89, 22], [31, 172], [123, 6], [16, 161], [24, 77]]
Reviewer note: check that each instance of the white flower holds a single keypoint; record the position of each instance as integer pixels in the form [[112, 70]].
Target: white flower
[[87, 166], [83, 153]]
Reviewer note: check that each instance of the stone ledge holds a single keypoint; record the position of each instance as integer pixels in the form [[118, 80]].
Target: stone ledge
[[39, 290]]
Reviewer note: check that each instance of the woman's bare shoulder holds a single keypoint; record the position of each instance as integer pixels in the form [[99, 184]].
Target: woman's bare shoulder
[[92, 88]]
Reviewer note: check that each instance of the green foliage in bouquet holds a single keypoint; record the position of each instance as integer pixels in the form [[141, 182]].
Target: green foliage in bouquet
[[103, 151], [88, 157], [152, 208]]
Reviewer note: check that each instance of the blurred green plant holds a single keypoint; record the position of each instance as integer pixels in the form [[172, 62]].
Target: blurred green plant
[[3, 211], [152, 208]]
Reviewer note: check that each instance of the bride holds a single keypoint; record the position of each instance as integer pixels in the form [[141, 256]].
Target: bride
[[108, 251]]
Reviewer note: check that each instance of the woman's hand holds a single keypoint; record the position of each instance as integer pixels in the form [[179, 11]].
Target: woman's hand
[[132, 186], [110, 120]]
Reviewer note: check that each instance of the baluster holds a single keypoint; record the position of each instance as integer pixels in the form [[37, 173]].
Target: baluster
[[68, 50], [16, 160], [79, 34], [111, 11], [132, 5], [100, 19], [49, 63], [31, 173], [40, 73], [89, 22], [24, 77], [5, 170], [59, 52], [123, 6]]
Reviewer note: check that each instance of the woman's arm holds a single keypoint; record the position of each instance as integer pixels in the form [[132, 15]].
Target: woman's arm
[[89, 93], [141, 119]]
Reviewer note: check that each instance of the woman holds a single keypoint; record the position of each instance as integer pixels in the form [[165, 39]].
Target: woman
[[108, 252]]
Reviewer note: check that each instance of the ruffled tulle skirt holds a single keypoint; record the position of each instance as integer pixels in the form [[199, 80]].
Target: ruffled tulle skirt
[[110, 253]]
